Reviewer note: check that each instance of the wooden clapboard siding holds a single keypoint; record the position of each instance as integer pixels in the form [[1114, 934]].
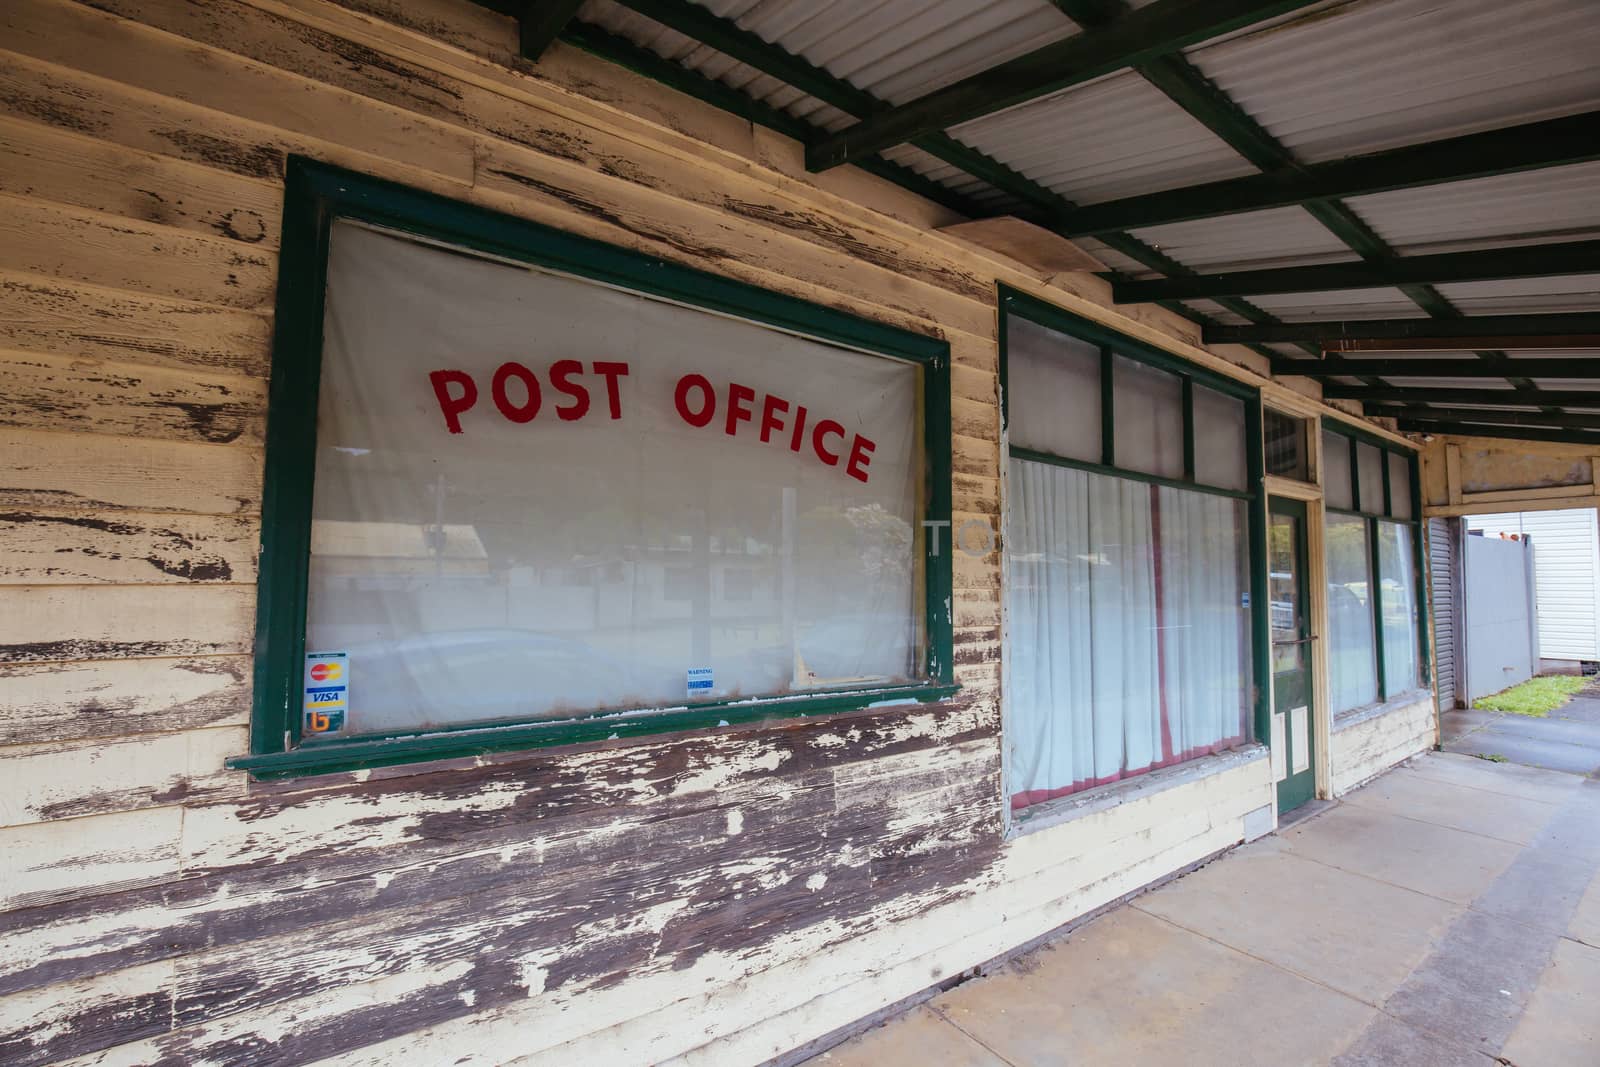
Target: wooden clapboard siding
[[102, 473], [1367, 745], [107, 699], [45, 316], [68, 168], [744, 889]]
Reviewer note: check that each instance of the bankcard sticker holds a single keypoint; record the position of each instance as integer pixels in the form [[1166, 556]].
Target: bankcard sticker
[[327, 691], [700, 681]]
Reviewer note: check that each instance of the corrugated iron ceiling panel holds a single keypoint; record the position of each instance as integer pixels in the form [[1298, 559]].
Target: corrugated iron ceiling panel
[[1376, 74], [1115, 137], [1559, 203]]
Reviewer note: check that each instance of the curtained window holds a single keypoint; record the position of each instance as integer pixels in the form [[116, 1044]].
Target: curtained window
[[1127, 590]]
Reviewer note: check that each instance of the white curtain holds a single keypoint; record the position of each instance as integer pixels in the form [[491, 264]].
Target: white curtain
[[1206, 621], [1126, 647]]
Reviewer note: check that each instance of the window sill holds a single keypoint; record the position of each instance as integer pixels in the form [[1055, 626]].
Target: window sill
[[1068, 809], [1343, 720], [330, 756]]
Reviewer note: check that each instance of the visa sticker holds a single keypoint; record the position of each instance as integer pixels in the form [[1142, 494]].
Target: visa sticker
[[700, 681], [327, 689]]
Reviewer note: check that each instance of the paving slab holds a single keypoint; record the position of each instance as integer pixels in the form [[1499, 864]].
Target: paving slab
[[919, 1038], [1561, 1027], [1505, 778], [1460, 807], [1131, 988], [1517, 746], [1388, 1042], [1360, 936], [1585, 925], [1442, 862]]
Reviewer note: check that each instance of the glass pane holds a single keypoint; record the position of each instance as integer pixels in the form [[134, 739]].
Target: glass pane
[[1369, 469], [1285, 437], [1283, 582], [1149, 418], [1129, 638], [1052, 391], [1352, 654], [1400, 485], [655, 505], [1219, 456], [1336, 471], [1398, 584]]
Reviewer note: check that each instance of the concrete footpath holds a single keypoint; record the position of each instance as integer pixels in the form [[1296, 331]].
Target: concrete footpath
[[1447, 913]]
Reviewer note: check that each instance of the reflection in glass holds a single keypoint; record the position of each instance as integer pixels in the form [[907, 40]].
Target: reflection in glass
[[549, 567], [1283, 581], [1398, 598], [1352, 651]]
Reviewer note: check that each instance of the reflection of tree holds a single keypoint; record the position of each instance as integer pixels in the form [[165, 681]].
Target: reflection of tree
[[1348, 561], [843, 550]]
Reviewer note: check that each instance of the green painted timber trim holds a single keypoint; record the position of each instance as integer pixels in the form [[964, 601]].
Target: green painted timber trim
[[314, 195], [1520, 261], [1552, 325], [1407, 367], [1553, 142], [322, 757], [1394, 394], [1512, 433], [1549, 420], [1161, 28]]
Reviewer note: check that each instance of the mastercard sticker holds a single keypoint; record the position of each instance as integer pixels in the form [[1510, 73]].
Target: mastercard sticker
[[327, 691]]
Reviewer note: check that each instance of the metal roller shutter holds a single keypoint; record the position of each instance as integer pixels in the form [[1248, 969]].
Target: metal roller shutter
[[1444, 569]]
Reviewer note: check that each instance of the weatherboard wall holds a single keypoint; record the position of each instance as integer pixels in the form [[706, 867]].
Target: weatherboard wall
[[739, 892]]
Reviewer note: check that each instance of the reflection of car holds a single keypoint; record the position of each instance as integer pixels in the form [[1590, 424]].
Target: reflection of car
[[459, 676]]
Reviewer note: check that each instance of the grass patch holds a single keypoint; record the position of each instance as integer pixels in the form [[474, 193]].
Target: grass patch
[[1536, 698]]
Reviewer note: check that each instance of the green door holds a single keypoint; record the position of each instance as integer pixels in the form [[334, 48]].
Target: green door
[[1292, 741]]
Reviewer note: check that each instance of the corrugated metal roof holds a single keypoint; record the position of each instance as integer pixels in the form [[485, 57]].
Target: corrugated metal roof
[[1377, 74], [1344, 304], [1279, 237], [1119, 136], [1340, 79], [1514, 295], [1556, 204]]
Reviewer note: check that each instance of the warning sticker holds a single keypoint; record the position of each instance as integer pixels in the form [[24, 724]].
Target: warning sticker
[[700, 681], [327, 691]]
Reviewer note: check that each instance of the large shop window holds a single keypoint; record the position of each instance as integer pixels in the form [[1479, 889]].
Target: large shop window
[[1128, 556], [1374, 612], [528, 489]]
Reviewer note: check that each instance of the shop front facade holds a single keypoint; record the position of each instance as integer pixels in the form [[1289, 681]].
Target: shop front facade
[[504, 565]]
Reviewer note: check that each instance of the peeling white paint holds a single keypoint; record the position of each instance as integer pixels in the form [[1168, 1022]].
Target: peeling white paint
[[735, 822]]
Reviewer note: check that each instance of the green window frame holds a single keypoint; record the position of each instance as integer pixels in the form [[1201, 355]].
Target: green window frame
[[315, 194], [1375, 513], [1113, 343]]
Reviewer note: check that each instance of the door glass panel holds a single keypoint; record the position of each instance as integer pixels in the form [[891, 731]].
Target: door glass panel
[[1284, 585]]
